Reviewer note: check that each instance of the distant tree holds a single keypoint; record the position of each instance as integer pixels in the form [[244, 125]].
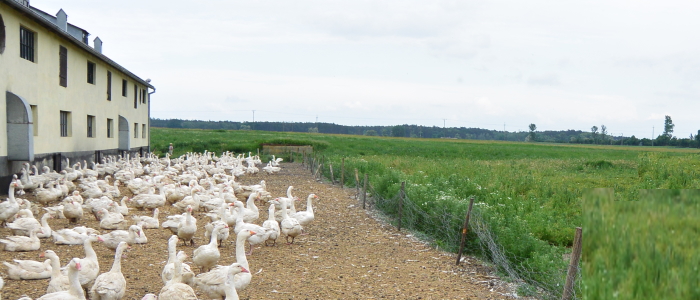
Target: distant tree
[[603, 134], [594, 133], [398, 131], [174, 123], [313, 129], [697, 138], [457, 136], [531, 136], [632, 141], [386, 131], [668, 127], [371, 132]]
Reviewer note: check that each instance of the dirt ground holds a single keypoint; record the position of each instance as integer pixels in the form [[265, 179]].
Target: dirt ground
[[348, 254]]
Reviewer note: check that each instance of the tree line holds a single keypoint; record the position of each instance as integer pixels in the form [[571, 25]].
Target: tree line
[[596, 136]]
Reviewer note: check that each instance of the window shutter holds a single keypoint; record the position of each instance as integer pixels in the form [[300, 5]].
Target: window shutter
[[63, 68]]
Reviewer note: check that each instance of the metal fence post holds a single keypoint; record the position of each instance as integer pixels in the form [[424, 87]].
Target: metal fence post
[[464, 230]]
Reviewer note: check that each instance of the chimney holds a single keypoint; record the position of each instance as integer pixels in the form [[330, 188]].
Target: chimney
[[24, 2], [62, 20], [98, 44]]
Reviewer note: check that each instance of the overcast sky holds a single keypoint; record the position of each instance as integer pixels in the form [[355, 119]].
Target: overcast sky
[[558, 64]]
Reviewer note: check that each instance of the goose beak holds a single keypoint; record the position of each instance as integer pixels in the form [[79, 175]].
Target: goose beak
[[77, 266], [41, 255], [244, 270]]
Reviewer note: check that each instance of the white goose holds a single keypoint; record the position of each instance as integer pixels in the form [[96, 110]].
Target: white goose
[[75, 236], [167, 274], [212, 283], [73, 211], [148, 222], [307, 216], [59, 281], [110, 220], [75, 292], [22, 226], [10, 207], [111, 285], [21, 243], [206, 256], [289, 226], [132, 236], [230, 285], [90, 266], [187, 228], [28, 269], [271, 225], [223, 231], [175, 289]]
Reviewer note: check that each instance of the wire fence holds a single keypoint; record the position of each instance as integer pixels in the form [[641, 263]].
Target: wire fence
[[442, 226]]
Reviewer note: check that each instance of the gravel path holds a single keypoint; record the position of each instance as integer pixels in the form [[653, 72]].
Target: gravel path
[[347, 254]]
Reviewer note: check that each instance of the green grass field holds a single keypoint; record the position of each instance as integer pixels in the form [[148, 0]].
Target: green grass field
[[529, 194], [644, 249]]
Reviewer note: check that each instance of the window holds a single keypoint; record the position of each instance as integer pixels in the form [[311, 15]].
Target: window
[[109, 85], [110, 130], [35, 119], [91, 72], [90, 126], [124, 87], [65, 123], [136, 96], [2, 35], [63, 66], [136, 130], [141, 96], [26, 44], [145, 96], [143, 131]]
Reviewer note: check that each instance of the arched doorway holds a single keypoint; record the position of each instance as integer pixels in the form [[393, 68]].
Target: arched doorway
[[20, 128], [124, 140]]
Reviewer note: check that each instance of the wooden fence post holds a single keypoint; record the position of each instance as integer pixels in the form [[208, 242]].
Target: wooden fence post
[[573, 267], [401, 194], [364, 193], [357, 184], [332, 178], [464, 230], [342, 173]]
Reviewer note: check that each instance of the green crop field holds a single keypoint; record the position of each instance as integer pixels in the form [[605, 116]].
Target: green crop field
[[529, 195], [644, 249]]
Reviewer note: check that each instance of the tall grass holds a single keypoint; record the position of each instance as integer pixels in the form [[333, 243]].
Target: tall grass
[[529, 194], [644, 249]]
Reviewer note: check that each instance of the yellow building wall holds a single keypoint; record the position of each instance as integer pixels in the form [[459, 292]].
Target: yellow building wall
[[38, 83]]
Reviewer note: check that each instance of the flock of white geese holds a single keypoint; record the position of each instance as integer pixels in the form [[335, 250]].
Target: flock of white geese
[[191, 183]]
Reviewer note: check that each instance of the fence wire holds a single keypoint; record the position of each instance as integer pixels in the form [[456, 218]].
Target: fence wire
[[543, 285]]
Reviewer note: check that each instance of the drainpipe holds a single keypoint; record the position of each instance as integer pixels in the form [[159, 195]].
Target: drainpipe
[[149, 115]]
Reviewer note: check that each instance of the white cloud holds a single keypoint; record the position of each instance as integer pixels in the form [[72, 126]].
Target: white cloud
[[561, 65]]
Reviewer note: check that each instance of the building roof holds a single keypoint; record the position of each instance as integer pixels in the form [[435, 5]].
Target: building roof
[[30, 13]]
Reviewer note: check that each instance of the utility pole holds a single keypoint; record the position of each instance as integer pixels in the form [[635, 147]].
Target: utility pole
[[444, 129], [504, 132], [253, 127], [652, 136], [622, 139]]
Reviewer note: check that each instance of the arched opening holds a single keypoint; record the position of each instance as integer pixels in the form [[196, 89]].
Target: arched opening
[[20, 130], [2, 35], [124, 140]]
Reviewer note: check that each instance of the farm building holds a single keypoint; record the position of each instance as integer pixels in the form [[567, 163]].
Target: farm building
[[63, 99]]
